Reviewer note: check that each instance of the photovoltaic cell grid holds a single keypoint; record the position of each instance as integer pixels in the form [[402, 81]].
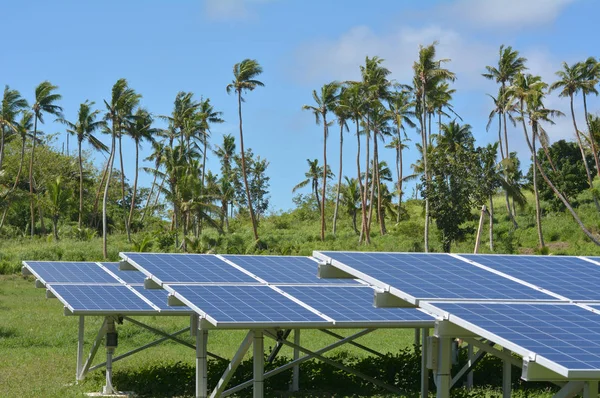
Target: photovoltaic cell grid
[[130, 277], [435, 276], [562, 333], [571, 277], [70, 272], [101, 298], [187, 268], [351, 304], [284, 269], [158, 297], [245, 304]]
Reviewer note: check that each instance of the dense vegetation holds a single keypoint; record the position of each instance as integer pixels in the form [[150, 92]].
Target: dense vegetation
[[193, 209]]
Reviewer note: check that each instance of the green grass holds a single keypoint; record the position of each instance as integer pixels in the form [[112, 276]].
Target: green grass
[[38, 347]]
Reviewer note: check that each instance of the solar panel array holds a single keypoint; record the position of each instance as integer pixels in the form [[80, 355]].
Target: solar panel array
[[88, 288], [542, 307]]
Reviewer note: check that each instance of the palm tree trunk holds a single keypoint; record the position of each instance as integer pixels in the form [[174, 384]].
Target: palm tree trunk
[[109, 166], [135, 182], [55, 227], [360, 184], [21, 161], [592, 140], [123, 191], [202, 183], [1, 146], [380, 214], [425, 170], [500, 137], [325, 127], [366, 215], [99, 190], [538, 210], [373, 184], [315, 185], [339, 184], [585, 163], [160, 188], [254, 229], [31, 200], [80, 184], [149, 196], [491, 210], [399, 173]]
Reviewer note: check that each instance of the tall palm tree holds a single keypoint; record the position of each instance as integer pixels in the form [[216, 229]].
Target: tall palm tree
[[428, 72], [226, 153], [139, 129], [379, 121], [45, 102], [314, 173], [325, 102], [244, 80], [342, 113], [12, 104], [83, 129], [590, 73], [156, 156], [571, 81], [122, 102]]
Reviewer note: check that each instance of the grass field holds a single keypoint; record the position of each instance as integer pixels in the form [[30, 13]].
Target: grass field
[[38, 346]]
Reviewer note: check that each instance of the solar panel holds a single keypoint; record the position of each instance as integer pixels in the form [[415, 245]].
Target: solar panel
[[130, 277], [431, 276], [283, 269], [100, 298], [69, 272], [570, 277], [352, 304], [187, 268], [565, 334], [158, 297], [245, 305]]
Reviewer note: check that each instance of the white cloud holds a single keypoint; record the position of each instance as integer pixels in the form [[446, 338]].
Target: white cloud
[[231, 9], [505, 13], [340, 59]]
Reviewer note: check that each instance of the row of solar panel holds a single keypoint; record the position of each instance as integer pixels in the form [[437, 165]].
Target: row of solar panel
[[231, 305], [562, 335]]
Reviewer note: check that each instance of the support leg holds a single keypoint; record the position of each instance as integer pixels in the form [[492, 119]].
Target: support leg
[[296, 369], [444, 364], [110, 350], [424, 370], [201, 363], [506, 377], [590, 389], [259, 364], [470, 374], [78, 375], [417, 337]]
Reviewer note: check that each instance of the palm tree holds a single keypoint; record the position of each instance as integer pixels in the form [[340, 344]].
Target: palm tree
[[342, 114], [572, 81], [139, 129], [84, 130], [122, 102], [325, 102], [158, 148], [428, 71], [58, 202], [244, 80], [590, 72], [351, 198], [379, 121], [12, 104], [313, 175], [226, 152]]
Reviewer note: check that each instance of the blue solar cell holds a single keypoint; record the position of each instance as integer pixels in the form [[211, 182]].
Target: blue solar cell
[[130, 277], [570, 277], [435, 276], [246, 304], [188, 268], [283, 269], [352, 304], [100, 298], [565, 334], [70, 272], [158, 297]]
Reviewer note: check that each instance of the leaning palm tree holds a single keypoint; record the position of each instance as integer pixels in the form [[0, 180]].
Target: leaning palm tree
[[571, 81], [45, 102], [12, 104], [325, 102], [158, 148], [122, 102], [84, 129], [139, 129], [428, 72], [244, 80]]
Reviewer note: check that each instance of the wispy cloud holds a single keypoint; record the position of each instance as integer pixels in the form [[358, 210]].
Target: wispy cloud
[[232, 9]]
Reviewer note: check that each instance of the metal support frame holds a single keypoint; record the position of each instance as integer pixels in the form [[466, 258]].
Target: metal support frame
[[471, 359], [296, 369], [259, 363], [417, 341], [352, 343], [300, 360], [233, 365], [110, 328], [443, 367], [201, 363], [570, 389], [424, 370], [468, 368], [93, 350], [277, 348], [506, 376], [590, 389], [80, 341]]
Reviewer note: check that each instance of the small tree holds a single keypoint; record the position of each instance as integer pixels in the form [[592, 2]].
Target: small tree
[[58, 202]]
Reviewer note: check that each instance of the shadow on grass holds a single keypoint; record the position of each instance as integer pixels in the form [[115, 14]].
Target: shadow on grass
[[6, 333]]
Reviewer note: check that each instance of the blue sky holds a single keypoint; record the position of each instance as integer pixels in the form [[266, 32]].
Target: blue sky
[[163, 47]]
